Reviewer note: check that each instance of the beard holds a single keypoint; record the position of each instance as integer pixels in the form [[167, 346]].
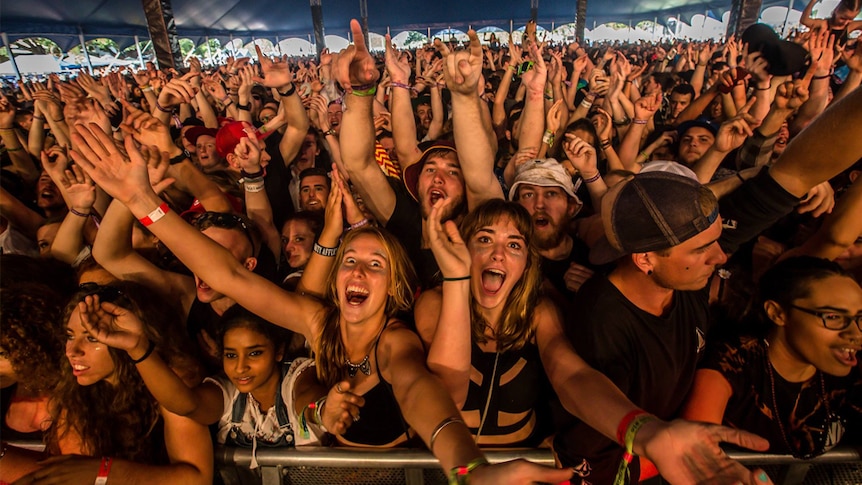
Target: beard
[[548, 236]]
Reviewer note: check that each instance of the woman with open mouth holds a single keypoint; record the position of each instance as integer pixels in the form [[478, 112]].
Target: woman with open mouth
[[795, 378], [492, 337], [353, 330]]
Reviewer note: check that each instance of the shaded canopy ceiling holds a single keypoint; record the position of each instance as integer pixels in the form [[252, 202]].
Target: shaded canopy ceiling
[[60, 20]]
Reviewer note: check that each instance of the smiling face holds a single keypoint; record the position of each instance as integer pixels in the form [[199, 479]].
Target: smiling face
[[335, 112], [313, 192], [499, 256], [91, 361], [250, 361], [831, 351], [298, 242], [424, 113], [440, 178], [362, 280]]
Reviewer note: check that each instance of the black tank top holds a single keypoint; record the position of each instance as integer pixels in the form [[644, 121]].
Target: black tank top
[[381, 422], [518, 404]]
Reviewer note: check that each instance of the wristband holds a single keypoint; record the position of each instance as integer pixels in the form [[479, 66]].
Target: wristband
[[318, 407], [289, 92], [155, 215], [146, 355], [605, 143], [254, 186], [548, 138], [624, 122], [244, 107], [827, 76], [639, 122], [626, 422], [14, 149], [457, 278], [328, 132], [460, 475], [636, 423], [767, 88], [586, 104], [644, 154], [104, 471], [79, 214], [402, 86], [257, 175], [363, 222], [163, 109], [180, 158], [592, 179], [364, 90], [324, 251], [39, 118]]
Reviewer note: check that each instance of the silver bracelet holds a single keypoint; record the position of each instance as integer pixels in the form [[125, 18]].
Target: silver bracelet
[[443, 424]]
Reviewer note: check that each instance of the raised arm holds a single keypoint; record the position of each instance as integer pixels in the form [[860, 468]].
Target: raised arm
[[277, 74], [443, 314], [403, 122], [355, 67], [126, 180], [462, 70]]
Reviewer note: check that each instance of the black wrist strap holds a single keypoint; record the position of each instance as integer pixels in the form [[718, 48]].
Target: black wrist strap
[[181, 157], [289, 92]]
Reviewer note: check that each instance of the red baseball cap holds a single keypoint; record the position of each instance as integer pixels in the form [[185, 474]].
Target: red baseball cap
[[230, 134]]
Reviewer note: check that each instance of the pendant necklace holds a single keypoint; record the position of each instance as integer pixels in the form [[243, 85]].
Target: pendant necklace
[[832, 432], [363, 366]]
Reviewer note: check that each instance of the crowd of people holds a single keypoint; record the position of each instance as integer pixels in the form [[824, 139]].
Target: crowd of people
[[628, 253]]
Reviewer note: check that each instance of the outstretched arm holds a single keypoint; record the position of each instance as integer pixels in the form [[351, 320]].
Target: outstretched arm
[[126, 180]]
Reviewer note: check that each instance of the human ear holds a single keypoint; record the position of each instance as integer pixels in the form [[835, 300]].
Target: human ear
[[250, 264], [643, 262], [775, 312]]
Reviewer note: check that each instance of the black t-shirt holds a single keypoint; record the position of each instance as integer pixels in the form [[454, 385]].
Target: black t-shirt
[[277, 179], [405, 224], [651, 359], [802, 406]]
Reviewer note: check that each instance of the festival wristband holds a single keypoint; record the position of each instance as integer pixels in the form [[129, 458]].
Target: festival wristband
[[155, 215], [104, 471]]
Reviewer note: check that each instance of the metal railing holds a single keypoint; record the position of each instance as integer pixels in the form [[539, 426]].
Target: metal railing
[[402, 466], [314, 465]]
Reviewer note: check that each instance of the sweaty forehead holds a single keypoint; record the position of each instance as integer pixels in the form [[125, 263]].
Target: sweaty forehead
[[448, 159]]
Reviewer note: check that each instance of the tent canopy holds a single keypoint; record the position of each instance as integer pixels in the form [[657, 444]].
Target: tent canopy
[[63, 20]]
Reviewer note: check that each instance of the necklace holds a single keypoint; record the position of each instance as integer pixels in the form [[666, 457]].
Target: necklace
[[364, 366], [831, 433]]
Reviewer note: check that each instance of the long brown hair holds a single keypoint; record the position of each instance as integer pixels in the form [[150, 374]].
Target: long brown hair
[[120, 420], [331, 352], [516, 326]]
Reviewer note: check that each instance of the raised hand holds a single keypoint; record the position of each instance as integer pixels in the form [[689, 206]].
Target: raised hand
[[733, 132], [177, 91], [145, 128], [396, 65], [248, 152], [449, 249], [79, 192], [535, 78], [54, 161], [518, 472], [112, 325], [462, 69], [582, 155], [354, 66], [554, 118], [646, 106], [122, 177], [793, 94]]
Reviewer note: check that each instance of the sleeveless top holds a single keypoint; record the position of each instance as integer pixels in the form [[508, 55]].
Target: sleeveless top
[[516, 396], [381, 423]]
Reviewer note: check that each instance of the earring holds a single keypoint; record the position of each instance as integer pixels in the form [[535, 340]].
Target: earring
[[649, 272]]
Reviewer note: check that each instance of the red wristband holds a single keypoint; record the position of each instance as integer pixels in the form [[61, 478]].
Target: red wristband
[[104, 471], [624, 425], [155, 215]]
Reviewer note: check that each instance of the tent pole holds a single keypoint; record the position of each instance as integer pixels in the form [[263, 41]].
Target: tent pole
[[277, 46], [138, 48], [534, 11], [363, 14], [11, 55], [84, 48], [317, 23], [786, 18]]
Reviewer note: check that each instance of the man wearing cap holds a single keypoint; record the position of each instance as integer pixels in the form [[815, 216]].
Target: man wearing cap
[[695, 138], [644, 324], [440, 172], [206, 155], [545, 189]]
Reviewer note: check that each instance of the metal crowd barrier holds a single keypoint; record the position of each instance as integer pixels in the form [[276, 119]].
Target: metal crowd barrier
[[354, 466], [324, 466]]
